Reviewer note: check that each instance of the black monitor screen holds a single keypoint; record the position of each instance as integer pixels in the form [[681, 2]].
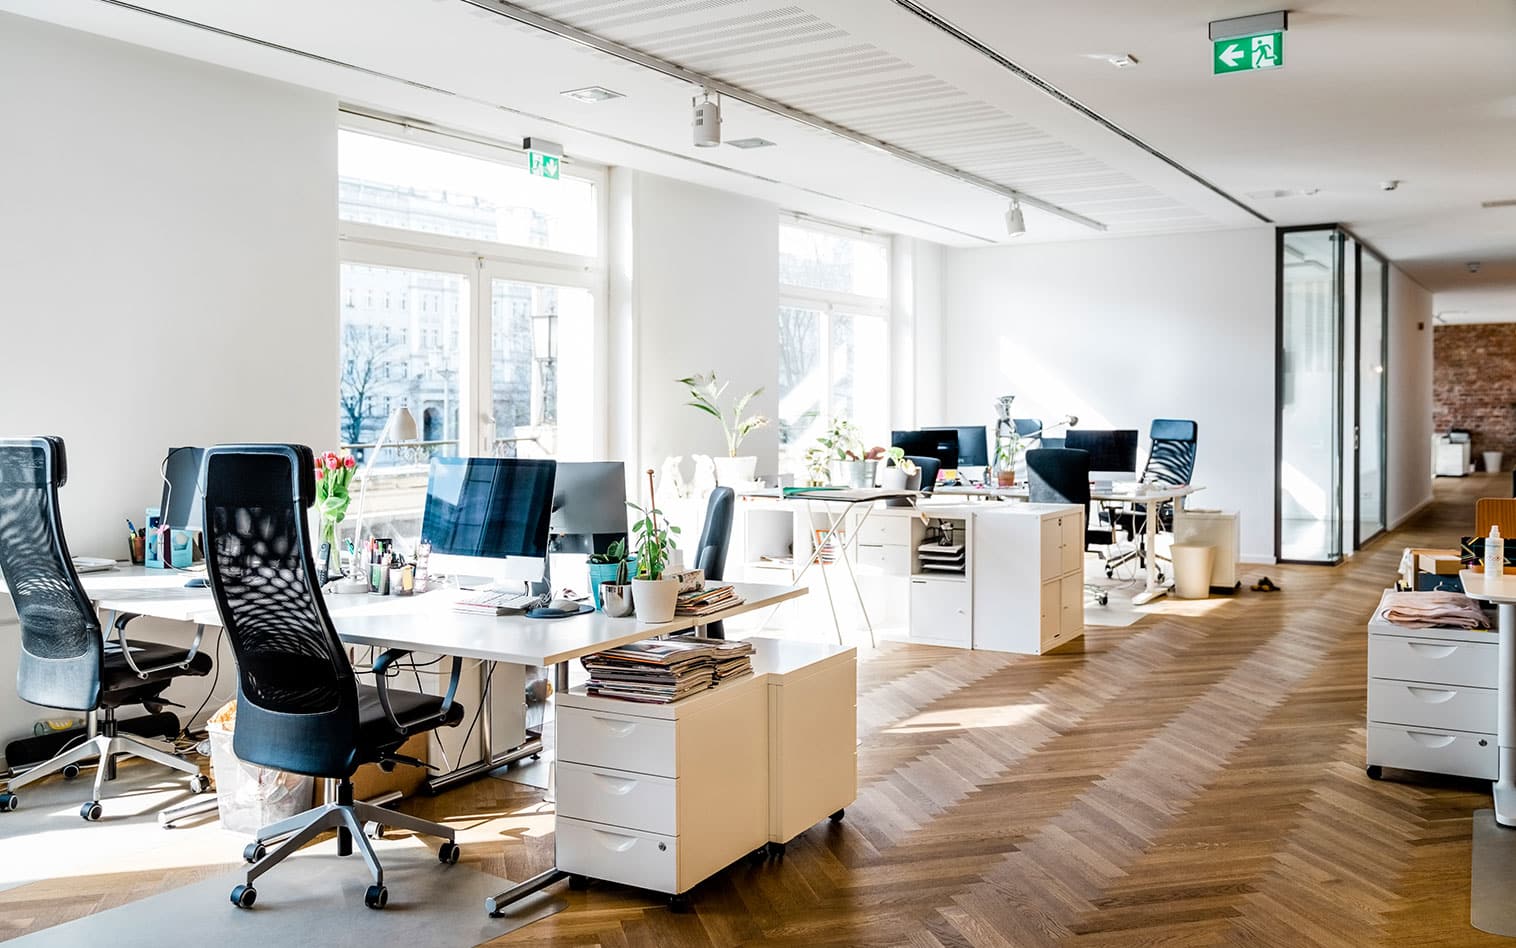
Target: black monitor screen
[[938, 443], [1114, 450], [182, 503], [489, 507], [973, 446]]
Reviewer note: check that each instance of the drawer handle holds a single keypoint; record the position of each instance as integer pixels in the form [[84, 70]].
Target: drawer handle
[[618, 786], [1433, 651], [1426, 739], [615, 842], [1431, 695], [619, 726]]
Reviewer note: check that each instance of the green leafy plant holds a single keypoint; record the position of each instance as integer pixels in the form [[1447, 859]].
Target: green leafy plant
[[614, 553], [841, 441], [705, 393], [655, 542], [1008, 448], [896, 456]]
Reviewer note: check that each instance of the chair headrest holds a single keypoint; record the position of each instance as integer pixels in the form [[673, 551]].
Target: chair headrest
[[33, 462], [1173, 429], [302, 465]]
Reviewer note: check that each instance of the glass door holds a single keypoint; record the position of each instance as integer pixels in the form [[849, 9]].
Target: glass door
[[1309, 431], [1372, 387]]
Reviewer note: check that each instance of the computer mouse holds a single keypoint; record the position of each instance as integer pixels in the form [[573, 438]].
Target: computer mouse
[[564, 605], [199, 582]]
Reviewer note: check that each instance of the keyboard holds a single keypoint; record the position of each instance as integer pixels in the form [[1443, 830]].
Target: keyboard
[[496, 602]]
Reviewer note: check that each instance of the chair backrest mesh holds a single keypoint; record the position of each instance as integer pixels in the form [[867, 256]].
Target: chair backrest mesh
[[1171, 459], [62, 652]]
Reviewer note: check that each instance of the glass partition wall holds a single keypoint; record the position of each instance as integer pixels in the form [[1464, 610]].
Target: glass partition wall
[[1332, 380]]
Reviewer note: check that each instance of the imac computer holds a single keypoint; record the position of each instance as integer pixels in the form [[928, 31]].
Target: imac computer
[[938, 443], [487, 519], [589, 507], [182, 507], [1113, 453]]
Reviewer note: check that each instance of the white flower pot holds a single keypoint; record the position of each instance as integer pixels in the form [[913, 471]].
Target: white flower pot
[[736, 472], [654, 599], [851, 473], [892, 478]]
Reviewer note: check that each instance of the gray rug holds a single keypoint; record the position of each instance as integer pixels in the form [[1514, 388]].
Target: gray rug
[[1491, 908], [314, 898]]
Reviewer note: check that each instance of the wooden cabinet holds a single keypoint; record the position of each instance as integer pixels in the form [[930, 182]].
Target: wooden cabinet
[[1432, 700], [1023, 603]]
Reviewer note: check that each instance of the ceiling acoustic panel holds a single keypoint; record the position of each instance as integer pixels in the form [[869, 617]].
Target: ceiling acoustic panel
[[782, 51]]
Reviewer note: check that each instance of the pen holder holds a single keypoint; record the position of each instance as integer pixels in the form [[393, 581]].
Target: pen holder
[[135, 543]]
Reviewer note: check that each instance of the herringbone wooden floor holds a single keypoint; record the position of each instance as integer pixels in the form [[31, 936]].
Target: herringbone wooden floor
[[1196, 779]]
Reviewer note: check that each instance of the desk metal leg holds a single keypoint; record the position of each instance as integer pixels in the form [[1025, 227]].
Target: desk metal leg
[[1154, 589], [1504, 790]]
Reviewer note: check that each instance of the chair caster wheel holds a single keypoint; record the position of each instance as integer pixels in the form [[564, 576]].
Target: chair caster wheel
[[373, 829], [8, 802], [1374, 771], [244, 896], [1104, 599], [837, 817], [448, 853], [71, 772], [377, 897], [776, 850], [254, 852], [578, 883], [91, 811], [679, 903], [536, 757], [199, 783]]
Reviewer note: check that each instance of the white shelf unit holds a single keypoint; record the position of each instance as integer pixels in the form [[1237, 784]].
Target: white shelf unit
[[1028, 577], [1432, 700], [942, 603]]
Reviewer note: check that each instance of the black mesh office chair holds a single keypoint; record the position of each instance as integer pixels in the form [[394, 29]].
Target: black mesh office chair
[[299, 706], [715, 537], [65, 660], [1171, 463], [1062, 476]]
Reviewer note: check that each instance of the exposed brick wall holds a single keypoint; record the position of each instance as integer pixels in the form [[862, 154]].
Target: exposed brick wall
[[1474, 384]]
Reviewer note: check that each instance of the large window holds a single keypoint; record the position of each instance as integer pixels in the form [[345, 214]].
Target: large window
[[834, 353], [460, 275]]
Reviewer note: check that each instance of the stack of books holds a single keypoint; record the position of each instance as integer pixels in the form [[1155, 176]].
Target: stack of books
[[661, 671], [707, 601]]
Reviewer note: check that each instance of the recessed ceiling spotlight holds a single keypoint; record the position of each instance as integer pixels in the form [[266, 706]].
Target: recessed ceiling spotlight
[[1505, 202], [1015, 223], [1122, 61], [1283, 192], [1472, 266], [1389, 185], [592, 94], [746, 143]]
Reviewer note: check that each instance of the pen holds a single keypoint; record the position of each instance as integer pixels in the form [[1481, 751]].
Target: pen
[[131, 526]]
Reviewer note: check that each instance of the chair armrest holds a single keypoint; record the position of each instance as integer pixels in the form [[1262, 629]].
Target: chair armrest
[[119, 626], [381, 669]]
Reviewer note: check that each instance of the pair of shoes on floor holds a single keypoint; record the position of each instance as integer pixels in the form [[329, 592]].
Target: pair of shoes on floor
[[1265, 585]]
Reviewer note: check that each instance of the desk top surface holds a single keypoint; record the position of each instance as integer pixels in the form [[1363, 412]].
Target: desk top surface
[[1498, 589], [423, 623]]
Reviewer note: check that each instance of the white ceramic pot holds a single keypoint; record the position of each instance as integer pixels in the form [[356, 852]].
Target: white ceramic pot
[[616, 600], [735, 472], [892, 478], [850, 473], [654, 599]]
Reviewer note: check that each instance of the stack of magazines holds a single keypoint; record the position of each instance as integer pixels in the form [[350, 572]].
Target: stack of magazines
[[660, 671], [707, 601]]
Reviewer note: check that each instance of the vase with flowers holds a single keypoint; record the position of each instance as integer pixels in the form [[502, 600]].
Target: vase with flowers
[[334, 474]]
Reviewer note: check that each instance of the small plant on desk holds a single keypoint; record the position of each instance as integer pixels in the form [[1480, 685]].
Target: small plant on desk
[[653, 596]]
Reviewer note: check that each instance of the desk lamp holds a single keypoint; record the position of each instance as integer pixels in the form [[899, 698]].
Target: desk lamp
[[401, 426]]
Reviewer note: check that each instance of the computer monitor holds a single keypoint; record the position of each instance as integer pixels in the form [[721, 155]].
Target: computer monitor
[[1113, 453], [589, 506], [182, 507], [973, 446], [488, 517], [938, 443]]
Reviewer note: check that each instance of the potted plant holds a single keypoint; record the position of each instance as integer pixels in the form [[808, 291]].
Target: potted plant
[[611, 568], [653, 596], [334, 473], [898, 471], [705, 393], [614, 598], [1008, 448], [843, 448]]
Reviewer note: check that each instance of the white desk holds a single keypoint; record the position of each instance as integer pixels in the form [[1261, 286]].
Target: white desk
[[1501, 590], [426, 623]]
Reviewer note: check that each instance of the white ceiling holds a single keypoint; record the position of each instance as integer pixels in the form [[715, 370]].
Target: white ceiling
[[1370, 90]]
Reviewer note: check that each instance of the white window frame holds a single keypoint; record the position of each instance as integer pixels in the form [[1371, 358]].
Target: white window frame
[[482, 262]]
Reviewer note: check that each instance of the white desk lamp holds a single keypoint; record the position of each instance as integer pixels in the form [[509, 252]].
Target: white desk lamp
[[402, 426]]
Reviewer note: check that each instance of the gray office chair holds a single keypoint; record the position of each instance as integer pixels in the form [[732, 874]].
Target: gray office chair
[[66, 662], [1062, 476], [715, 537], [1171, 463], [299, 706]]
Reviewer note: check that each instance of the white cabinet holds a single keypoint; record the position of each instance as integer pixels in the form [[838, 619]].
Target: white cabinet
[[813, 732], [942, 612], [1020, 602], [1432, 700]]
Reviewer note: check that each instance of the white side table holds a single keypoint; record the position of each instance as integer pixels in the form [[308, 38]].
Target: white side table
[[1501, 590]]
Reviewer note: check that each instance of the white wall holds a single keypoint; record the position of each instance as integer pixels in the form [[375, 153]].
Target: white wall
[[1119, 332], [703, 284], [168, 264], [1410, 397], [916, 333]]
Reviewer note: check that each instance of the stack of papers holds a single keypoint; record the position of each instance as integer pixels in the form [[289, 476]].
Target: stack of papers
[[704, 602], [661, 671], [941, 559]]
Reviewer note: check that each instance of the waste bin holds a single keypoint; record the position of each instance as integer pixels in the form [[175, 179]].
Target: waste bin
[[1492, 460], [250, 797], [1192, 569]]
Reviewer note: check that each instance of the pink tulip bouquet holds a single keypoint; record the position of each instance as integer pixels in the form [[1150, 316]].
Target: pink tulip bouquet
[[334, 472]]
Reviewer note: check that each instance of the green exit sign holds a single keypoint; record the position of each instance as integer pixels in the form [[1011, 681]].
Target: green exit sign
[[543, 166], [1246, 53]]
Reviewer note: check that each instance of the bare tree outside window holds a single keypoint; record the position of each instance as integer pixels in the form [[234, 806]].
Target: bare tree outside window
[[365, 357]]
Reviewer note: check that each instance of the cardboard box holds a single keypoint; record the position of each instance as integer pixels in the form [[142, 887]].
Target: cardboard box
[[1437, 562]]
